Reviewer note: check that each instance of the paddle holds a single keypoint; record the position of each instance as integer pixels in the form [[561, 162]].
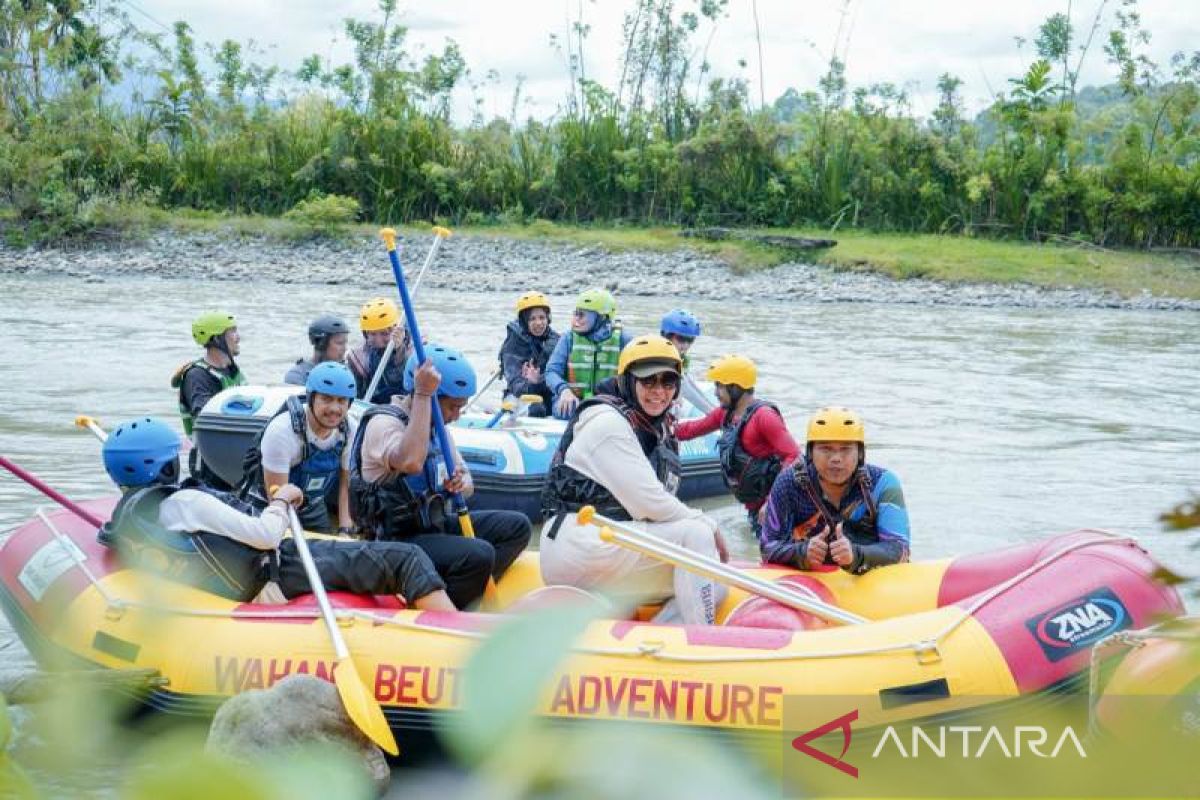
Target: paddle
[[642, 542], [513, 406], [44, 488], [439, 234], [361, 706], [439, 425], [706, 404], [486, 386], [92, 424]]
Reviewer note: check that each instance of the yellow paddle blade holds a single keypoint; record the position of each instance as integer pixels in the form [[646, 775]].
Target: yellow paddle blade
[[363, 709], [491, 595]]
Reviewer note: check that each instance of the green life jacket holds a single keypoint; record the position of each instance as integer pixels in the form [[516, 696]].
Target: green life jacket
[[226, 381], [591, 362]]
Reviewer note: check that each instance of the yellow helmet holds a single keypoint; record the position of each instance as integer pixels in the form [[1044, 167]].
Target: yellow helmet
[[653, 352], [835, 424], [378, 313], [532, 300], [733, 370]]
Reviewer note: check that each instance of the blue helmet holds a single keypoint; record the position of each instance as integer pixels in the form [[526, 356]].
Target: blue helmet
[[332, 378], [141, 451], [458, 376], [680, 323]]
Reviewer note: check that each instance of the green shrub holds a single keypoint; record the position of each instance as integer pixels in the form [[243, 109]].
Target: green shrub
[[325, 216]]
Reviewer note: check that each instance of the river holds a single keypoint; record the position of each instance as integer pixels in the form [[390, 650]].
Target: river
[[1004, 424]]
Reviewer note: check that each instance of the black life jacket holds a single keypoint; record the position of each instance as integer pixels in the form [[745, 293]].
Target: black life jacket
[[390, 508], [865, 529], [750, 479], [203, 559], [567, 490]]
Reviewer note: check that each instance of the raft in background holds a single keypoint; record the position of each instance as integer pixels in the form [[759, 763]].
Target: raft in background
[[945, 636], [508, 462]]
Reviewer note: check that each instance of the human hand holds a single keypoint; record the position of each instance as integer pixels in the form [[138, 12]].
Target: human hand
[[818, 548], [531, 373], [456, 483], [290, 494], [841, 549], [426, 379], [566, 403]]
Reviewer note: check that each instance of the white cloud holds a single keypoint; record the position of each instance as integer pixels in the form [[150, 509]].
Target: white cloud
[[906, 42]]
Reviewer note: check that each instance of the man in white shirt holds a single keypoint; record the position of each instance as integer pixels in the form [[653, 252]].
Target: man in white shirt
[[214, 541], [308, 445]]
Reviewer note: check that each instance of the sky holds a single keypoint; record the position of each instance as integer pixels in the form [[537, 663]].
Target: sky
[[907, 42]]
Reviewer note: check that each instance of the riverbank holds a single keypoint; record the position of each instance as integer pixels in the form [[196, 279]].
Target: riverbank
[[863, 267]]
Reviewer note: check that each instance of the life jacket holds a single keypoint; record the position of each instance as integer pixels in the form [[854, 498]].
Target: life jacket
[[316, 473], [591, 362], [203, 559], [749, 478], [520, 343], [226, 380], [567, 490], [402, 505], [865, 529], [364, 360]]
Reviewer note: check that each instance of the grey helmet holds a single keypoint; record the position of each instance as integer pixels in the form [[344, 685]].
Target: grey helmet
[[323, 327]]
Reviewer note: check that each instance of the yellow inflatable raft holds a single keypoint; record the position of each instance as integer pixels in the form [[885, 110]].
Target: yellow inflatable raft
[[941, 636]]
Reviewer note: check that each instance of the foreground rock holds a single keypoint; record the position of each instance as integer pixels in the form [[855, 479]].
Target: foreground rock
[[486, 263], [298, 711]]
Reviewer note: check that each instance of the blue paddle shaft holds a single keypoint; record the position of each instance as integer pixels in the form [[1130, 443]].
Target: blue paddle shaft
[[439, 425]]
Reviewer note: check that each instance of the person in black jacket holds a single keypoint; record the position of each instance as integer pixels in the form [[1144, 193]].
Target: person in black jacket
[[527, 347]]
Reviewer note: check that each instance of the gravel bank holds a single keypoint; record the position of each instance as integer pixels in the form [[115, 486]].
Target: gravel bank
[[511, 265]]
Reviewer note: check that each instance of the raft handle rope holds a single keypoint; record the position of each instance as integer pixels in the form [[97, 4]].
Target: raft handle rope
[[923, 648], [1133, 640]]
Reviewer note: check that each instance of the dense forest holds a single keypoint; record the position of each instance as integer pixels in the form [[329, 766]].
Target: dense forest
[[99, 114]]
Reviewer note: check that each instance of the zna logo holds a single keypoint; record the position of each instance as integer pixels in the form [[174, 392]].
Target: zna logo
[[1079, 623]]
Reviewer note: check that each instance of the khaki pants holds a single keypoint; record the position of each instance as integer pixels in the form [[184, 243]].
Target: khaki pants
[[578, 557]]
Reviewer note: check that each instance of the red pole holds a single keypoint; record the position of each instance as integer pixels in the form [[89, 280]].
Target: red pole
[[57, 497]]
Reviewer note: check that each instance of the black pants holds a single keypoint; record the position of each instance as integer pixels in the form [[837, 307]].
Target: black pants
[[465, 564], [360, 567]]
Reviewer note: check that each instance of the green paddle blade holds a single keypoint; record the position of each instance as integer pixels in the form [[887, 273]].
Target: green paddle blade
[[363, 709]]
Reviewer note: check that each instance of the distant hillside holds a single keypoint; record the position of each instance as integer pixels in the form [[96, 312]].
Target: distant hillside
[[1104, 111]]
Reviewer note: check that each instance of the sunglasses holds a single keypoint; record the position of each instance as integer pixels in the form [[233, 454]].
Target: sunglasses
[[666, 380]]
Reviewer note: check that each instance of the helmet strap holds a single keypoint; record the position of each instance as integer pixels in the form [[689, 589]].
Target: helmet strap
[[169, 473]]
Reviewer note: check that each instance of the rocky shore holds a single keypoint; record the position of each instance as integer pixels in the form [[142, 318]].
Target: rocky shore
[[508, 265]]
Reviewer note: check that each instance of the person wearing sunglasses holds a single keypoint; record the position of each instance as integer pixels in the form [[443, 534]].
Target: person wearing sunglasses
[[589, 355], [620, 455], [755, 443]]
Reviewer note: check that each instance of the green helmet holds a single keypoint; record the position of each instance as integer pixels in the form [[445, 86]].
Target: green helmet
[[599, 300], [210, 324]]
